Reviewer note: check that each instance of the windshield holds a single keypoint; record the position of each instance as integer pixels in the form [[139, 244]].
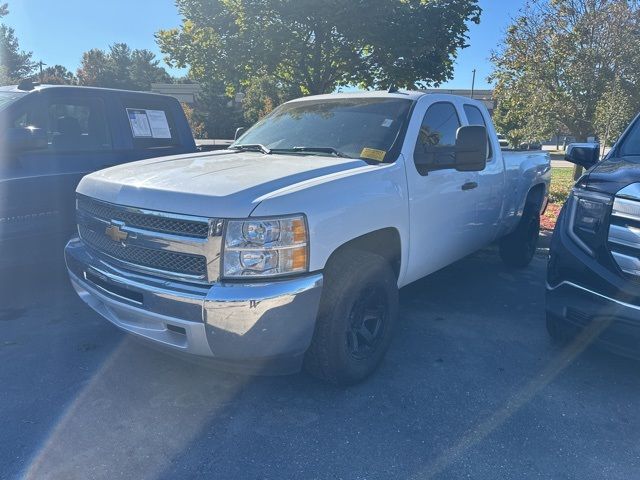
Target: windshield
[[7, 98], [353, 127], [631, 143]]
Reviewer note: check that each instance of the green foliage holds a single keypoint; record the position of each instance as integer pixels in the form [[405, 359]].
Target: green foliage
[[16, 64], [568, 66], [57, 75], [561, 184], [263, 94], [217, 112], [314, 46], [121, 67], [198, 128]]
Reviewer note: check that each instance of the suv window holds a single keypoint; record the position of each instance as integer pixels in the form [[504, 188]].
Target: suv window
[[631, 143], [475, 117], [78, 125], [437, 137], [26, 116], [151, 122]]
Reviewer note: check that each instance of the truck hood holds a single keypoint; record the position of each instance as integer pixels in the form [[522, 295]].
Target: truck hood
[[613, 174], [221, 184]]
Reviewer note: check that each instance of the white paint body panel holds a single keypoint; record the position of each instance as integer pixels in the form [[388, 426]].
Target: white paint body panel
[[438, 223]]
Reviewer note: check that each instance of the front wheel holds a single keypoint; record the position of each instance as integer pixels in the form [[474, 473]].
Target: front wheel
[[518, 248], [357, 316]]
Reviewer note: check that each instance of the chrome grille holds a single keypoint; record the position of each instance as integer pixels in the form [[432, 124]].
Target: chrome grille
[[162, 244], [145, 257], [155, 223], [624, 231]]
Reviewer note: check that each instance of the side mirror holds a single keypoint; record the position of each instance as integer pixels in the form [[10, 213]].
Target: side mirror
[[584, 154], [471, 148], [239, 132], [25, 138]]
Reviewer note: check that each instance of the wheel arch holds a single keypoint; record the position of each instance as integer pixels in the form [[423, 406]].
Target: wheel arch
[[535, 198], [385, 242]]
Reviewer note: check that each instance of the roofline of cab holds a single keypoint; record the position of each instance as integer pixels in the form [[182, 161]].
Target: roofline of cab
[[41, 88]]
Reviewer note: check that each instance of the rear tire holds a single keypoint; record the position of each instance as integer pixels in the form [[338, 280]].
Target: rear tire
[[557, 334], [518, 248], [356, 320]]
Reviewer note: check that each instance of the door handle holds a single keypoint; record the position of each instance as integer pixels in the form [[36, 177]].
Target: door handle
[[470, 186]]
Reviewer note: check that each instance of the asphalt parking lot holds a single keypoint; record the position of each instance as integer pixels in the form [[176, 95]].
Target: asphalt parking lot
[[471, 388]]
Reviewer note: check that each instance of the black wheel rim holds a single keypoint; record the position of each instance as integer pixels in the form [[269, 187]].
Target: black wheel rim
[[367, 322]]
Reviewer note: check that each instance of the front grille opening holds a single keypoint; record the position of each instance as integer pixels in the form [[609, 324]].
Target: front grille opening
[[176, 329], [155, 223], [182, 263], [108, 287]]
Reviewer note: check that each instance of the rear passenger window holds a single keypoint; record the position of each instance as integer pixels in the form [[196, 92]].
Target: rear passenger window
[[475, 117], [152, 124], [437, 137], [78, 125]]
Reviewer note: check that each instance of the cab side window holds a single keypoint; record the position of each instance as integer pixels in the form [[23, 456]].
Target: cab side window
[[25, 117], [78, 125], [475, 117], [435, 148], [152, 123]]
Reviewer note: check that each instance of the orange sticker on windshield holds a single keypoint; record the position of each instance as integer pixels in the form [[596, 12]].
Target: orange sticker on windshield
[[373, 154]]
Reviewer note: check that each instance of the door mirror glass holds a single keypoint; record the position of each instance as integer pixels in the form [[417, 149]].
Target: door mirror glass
[[471, 148], [435, 147], [584, 154], [22, 139]]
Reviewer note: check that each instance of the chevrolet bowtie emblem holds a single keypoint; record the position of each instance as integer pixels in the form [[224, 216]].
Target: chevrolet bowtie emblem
[[115, 233]]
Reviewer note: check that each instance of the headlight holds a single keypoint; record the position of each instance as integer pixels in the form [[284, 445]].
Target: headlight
[[587, 220], [265, 247]]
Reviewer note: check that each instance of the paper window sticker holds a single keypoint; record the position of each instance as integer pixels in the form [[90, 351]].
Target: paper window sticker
[[159, 124], [139, 122], [373, 154]]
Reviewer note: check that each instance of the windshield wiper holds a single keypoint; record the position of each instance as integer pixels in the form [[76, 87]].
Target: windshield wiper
[[330, 150], [252, 147]]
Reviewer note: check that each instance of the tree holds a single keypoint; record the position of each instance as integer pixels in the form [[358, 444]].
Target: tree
[[569, 65], [313, 46], [16, 64], [263, 94], [198, 127], [121, 67], [57, 75]]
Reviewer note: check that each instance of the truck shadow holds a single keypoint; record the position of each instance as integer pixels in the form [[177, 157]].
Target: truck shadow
[[449, 400]]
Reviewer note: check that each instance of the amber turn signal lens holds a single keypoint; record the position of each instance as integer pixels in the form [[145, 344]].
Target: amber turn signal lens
[[299, 258], [299, 231]]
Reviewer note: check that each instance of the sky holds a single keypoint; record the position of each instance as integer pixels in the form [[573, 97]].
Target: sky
[[58, 32]]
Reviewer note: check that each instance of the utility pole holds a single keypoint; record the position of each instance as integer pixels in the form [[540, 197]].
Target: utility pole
[[41, 64], [473, 83]]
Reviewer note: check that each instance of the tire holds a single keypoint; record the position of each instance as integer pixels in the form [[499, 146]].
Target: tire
[[357, 315], [558, 336], [518, 248]]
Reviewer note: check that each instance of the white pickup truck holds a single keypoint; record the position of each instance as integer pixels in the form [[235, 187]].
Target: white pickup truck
[[289, 248]]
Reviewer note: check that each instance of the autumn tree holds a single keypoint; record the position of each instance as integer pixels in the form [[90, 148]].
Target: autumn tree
[[57, 75], [569, 65], [121, 67]]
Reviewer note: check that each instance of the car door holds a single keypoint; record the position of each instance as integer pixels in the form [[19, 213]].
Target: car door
[[491, 189], [79, 142], [23, 210], [441, 200]]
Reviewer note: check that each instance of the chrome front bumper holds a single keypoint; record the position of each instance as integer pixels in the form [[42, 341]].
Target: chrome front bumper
[[251, 324]]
